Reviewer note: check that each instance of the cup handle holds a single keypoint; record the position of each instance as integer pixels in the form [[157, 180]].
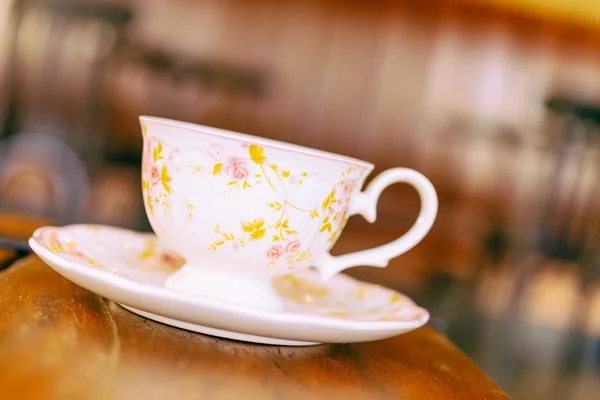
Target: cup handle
[[365, 204]]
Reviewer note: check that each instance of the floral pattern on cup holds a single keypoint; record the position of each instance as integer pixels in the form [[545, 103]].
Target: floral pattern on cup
[[332, 210], [244, 171], [156, 181]]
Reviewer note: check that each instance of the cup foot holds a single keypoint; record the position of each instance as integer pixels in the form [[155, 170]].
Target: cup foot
[[250, 292]]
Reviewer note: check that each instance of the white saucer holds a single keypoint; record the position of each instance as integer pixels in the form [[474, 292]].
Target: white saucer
[[130, 268]]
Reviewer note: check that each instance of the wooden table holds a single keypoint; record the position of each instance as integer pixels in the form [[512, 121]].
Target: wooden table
[[60, 341]]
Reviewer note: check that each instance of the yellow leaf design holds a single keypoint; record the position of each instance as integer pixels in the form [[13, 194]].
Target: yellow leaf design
[[258, 234], [217, 168], [57, 248], [285, 174], [246, 185], [149, 202], [275, 238], [149, 251], [326, 227], [338, 314], [145, 185], [328, 200], [248, 227], [165, 179], [157, 152], [256, 154], [258, 223]]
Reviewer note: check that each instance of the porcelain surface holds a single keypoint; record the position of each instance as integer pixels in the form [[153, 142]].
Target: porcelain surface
[[132, 268], [243, 209]]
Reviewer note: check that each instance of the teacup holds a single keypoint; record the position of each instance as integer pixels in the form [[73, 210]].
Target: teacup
[[243, 209]]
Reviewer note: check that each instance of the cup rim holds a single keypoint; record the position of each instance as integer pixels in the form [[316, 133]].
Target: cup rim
[[269, 143]]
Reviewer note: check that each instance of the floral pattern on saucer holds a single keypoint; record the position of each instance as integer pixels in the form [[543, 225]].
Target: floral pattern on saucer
[[133, 255], [140, 257], [344, 297]]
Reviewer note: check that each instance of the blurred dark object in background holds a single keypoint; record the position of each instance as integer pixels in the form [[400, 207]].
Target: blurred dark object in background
[[496, 103]]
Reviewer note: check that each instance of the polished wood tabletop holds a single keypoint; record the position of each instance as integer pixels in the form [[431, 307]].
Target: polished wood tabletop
[[60, 341]]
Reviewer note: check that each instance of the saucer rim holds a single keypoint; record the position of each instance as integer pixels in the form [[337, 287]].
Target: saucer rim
[[162, 294]]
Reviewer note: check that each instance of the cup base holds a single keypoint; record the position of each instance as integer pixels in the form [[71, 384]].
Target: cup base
[[250, 292]]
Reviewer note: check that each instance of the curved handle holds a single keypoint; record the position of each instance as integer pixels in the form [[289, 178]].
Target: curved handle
[[366, 204]]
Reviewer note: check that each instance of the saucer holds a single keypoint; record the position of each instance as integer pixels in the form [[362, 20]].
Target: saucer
[[131, 268]]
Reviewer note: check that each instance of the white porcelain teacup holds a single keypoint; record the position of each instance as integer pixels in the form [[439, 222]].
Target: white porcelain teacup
[[242, 209]]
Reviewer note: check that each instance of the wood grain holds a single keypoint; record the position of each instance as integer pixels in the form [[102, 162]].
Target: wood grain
[[58, 340]]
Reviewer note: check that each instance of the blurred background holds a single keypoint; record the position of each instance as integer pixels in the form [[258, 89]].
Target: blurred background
[[497, 102]]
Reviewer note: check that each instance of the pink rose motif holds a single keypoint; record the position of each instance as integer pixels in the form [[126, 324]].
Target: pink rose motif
[[77, 253], [169, 259], [342, 214], [215, 151], [237, 168], [349, 186], [154, 175], [293, 246], [275, 252]]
